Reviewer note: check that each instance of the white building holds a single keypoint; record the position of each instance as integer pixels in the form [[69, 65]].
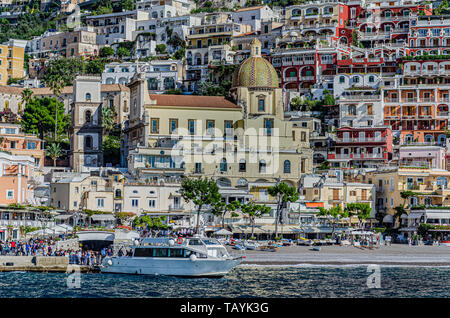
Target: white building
[[161, 75], [254, 16]]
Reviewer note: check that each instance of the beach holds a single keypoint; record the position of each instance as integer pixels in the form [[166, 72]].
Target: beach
[[396, 254]]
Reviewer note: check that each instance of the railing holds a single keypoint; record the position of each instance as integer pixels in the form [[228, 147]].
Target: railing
[[442, 114], [335, 198], [409, 100], [360, 97], [307, 78], [176, 207], [391, 100], [290, 79], [360, 139], [426, 100]]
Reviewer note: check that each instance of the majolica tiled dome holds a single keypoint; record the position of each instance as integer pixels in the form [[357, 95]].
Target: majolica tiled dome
[[256, 71]]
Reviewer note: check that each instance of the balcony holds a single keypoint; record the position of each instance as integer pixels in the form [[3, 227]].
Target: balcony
[[290, 79], [176, 207], [391, 100], [409, 100], [360, 140], [427, 100]]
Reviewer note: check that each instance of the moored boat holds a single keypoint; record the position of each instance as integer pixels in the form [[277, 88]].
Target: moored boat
[[193, 257]]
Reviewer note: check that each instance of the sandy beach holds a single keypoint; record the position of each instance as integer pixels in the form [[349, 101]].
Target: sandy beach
[[397, 254]]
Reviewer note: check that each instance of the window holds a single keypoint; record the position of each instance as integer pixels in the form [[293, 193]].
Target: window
[[261, 106], [191, 126], [87, 116], [100, 202], [9, 194], [268, 125], [341, 79], [151, 203], [87, 142], [134, 203], [287, 166], [223, 165], [303, 136], [173, 125], [10, 131], [228, 124], [369, 109], [210, 127], [31, 145], [242, 165], [262, 166], [155, 125], [12, 144], [198, 167], [371, 79]]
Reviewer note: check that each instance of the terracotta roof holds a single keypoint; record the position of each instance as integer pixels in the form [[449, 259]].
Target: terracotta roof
[[114, 88], [193, 101], [244, 34], [251, 8], [10, 89], [48, 90]]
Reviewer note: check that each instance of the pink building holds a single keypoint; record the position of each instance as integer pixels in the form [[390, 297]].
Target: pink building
[[432, 157]]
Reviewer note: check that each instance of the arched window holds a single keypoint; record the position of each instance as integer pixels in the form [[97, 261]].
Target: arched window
[[88, 142], [88, 96], [242, 165], [223, 165], [287, 166], [88, 116], [261, 106], [118, 193]]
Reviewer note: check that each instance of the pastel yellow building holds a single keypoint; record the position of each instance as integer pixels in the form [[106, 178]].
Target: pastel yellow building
[[11, 60], [236, 141]]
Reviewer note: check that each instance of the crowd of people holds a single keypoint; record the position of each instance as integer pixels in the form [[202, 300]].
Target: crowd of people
[[46, 247]]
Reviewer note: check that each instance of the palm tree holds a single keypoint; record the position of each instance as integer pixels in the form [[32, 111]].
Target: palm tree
[[54, 151], [27, 95], [108, 115], [56, 83]]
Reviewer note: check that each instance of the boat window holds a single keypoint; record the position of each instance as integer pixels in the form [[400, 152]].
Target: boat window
[[176, 252], [210, 242], [161, 252], [143, 252], [195, 242]]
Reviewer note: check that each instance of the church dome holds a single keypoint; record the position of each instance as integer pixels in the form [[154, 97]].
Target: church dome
[[256, 71]]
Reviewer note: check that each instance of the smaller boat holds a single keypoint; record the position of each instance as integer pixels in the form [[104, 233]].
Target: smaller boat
[[316, 248], [269, 248], [239, 246], [444, 243], [251, 245]]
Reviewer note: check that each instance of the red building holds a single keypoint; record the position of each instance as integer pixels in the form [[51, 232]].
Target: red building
[[362, 147]]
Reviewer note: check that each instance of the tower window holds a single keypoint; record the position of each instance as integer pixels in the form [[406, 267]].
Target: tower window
[[88, 96], [261, 106]]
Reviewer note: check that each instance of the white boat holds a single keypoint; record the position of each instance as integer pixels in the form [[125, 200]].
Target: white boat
[[193, 257], [251, 245]]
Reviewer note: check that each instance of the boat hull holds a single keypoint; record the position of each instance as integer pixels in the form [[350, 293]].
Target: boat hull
[[169, 266]]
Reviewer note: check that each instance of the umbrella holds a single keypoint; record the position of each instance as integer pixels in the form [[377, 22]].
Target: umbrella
[[223, 232]]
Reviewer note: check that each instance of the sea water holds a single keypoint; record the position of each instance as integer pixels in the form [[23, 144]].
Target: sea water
[[244, 281]]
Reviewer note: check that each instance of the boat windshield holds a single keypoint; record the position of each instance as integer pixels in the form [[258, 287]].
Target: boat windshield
[[211, 242]]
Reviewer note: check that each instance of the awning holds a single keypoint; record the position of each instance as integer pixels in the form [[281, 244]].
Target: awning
[[388, 219], [103, 217], [63, 216], [438, 215], [314, 204], [223, 232]]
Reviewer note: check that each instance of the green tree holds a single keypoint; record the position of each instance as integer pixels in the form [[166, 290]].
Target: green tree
[[106, 51], [111, 149], [54, 151], [108, 119], [201, 192], [253, 211], [95, 66], [180, 54], [27, 95], [335, 213], [38, 117], [221, 208], [283, 194], [64, 68], [56, 83], [160, 48], [122, 51], [361, 210]]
